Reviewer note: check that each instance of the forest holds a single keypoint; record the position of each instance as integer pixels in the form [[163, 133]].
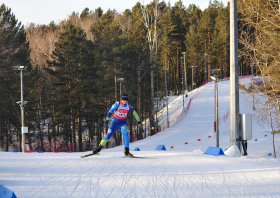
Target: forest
[[74, 68]]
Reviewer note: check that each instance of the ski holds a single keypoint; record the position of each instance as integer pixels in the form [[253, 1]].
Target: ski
[[89, 155], [141, 157]]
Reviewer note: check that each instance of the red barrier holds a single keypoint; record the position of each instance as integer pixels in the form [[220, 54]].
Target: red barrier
[[215, 126], [31, 151]]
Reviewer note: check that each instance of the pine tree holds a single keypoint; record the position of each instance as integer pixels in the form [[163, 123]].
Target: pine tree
[[85, 13], [166, 54], [178, 34], [13, 51], [73, 60], [220, 44], [194, 52], [137, 59], [206, 26], [110, 56]]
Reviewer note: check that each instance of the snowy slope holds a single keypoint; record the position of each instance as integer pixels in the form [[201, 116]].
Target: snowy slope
[[183, 171]]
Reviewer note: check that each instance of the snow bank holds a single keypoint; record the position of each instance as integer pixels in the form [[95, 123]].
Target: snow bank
[[233, 151], [198, 151]]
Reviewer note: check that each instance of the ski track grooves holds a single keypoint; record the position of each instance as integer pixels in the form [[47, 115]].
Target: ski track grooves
[[178, 172]]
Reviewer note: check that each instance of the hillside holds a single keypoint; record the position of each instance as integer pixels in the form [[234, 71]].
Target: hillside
[[183, 171]]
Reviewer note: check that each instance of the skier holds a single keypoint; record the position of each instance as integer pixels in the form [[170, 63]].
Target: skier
[[120, 110]]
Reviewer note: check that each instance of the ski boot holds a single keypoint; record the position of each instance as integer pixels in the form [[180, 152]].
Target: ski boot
[[97, 150], [127, 153]]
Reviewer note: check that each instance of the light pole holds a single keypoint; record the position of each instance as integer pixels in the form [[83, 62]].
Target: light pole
[[192, 74], [252, 66], [216, 78], [120, 80], [234, 77], [22, 105], [165, 70], [206, 75], [184, 53], [182, 82]]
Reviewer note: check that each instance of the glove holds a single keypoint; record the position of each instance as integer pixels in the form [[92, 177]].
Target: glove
[[106, 123], [140, 125]]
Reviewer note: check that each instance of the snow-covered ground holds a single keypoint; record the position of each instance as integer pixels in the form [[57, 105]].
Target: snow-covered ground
[[183, 171]]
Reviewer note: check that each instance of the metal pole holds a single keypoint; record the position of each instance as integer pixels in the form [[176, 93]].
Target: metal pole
[[120, 80], [192, 74], [216, 108], [120, 102], [22, 113], [120, 90], [234, 78], [205, 68], [184, 53], [166, 99], [182, 83], [217, 116], [192, 77], [215, 100]]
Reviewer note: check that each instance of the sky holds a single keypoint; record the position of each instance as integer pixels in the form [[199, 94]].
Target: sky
[[45, 11], [182, 170]]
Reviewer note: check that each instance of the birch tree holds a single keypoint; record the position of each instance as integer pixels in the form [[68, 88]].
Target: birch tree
[[150, 19], [260, 41]]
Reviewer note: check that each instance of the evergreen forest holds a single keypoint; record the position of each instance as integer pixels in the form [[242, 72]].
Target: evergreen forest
[[77, 68]]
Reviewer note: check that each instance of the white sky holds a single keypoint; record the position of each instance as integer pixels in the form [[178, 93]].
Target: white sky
[[44, 11]]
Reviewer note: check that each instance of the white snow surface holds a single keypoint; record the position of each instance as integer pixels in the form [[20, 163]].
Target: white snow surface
[[183, 171], [233, 151]]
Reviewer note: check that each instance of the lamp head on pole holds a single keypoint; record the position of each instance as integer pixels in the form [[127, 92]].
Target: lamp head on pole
[[192, 66], [215, 77], [120, 79], [215, 71], [20, 68]]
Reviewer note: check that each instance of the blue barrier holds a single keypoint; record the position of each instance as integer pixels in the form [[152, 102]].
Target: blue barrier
[[69, 151], [137, 149], [6, 193], [161, 148], [14, 151], [40, 152], [214, 151]]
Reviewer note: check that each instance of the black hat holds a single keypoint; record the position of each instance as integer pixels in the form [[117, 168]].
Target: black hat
[[124, 97]]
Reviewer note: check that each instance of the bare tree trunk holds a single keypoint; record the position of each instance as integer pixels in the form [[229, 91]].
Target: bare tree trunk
[[139, 89], [152, 119], [150, 22], [270, 117], [177, 73], [116, 88], [80, 134], [268, 107]]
